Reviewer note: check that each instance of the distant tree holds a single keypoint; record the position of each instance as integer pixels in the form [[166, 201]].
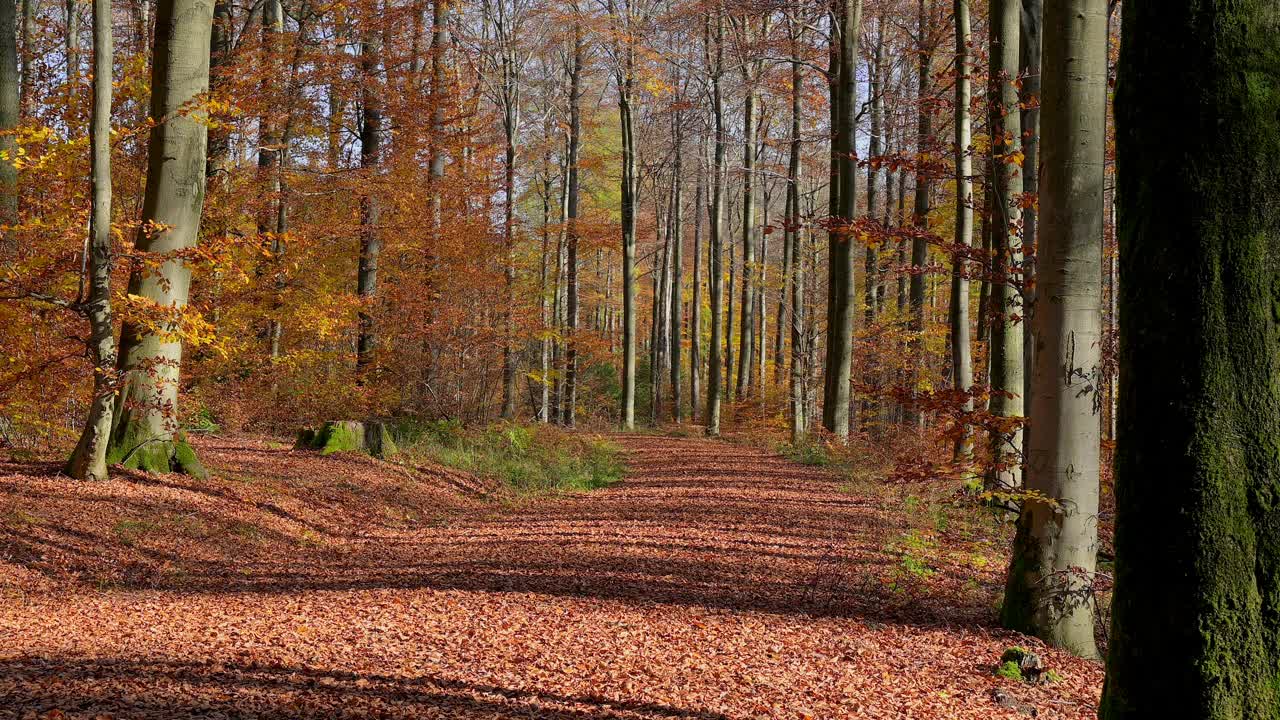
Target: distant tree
[[89, 459], [961, 348], [847, 24], [1006, 165]]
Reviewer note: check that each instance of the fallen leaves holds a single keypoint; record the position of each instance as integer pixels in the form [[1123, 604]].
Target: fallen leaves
[[717, 582]]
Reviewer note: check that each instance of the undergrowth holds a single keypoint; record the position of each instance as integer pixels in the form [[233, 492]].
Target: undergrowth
[[528, 458]]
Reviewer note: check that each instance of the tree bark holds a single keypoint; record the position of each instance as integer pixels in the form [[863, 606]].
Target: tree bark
[[145, 419], [1050, 586], [89, 460], [72, 51], [1006, 337], [798, 379], [11, 87], [370, 210], [746, 337], [677, 271], [572, 202], [961, 349], [625, 80], [695, 312], [840, 253], [715, 214], [1197, 466], [1029, 50]]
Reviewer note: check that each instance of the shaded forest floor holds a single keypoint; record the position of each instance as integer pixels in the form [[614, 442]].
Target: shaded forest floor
[[717, 581]]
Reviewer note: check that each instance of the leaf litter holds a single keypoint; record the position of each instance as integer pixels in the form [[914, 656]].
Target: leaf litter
[[716, 582]]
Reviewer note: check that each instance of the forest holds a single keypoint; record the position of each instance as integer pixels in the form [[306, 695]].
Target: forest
[[640, 359]]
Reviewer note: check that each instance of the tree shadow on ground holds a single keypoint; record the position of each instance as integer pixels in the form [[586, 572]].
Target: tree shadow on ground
[[695, 523], [174, 689]]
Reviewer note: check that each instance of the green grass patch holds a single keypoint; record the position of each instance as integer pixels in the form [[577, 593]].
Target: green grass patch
[[528, 458], [131, 531]]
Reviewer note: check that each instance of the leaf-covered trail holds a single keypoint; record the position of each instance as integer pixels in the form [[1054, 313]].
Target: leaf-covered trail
[[716, 582]]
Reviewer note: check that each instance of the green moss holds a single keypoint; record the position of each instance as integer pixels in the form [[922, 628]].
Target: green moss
[[1010, 670], [185, 460], [1014, 654], [378, 441], [338, 437], [133, 448]]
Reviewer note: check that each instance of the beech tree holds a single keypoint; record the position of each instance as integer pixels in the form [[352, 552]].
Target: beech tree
[[961, 348], [714, 37], [1005, 126], [1050, 585], [145, 419], [89, 460], [1197, 581], [846, 26]]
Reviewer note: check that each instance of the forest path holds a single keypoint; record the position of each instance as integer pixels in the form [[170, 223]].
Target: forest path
[[716, 582]]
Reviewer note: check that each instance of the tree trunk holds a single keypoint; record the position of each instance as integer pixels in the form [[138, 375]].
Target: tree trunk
[[746, 338], [1029, 60], [799, 383], [872, 288], [28, 79], [695, 312], [73, 50], [961, 360], [145, 417], [1050, 586], [876, 149], [270, 153], [840, 252], [729, 322], [658, 328], [1006, 336], [625, 81], [89, 460], [572, 202], [715, 214], [370, 240], [922, 208], [11, 87], [1197, 468], [677, 272]]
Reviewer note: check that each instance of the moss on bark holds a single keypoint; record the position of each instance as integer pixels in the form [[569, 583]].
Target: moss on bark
[[1196, 611], [135, 448]]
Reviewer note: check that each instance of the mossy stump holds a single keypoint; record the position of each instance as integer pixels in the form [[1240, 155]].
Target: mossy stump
[[372, 438]]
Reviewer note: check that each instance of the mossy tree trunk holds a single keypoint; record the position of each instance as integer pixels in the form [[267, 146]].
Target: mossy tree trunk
[[1050, 584], [1196, 612], [145, 421]]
